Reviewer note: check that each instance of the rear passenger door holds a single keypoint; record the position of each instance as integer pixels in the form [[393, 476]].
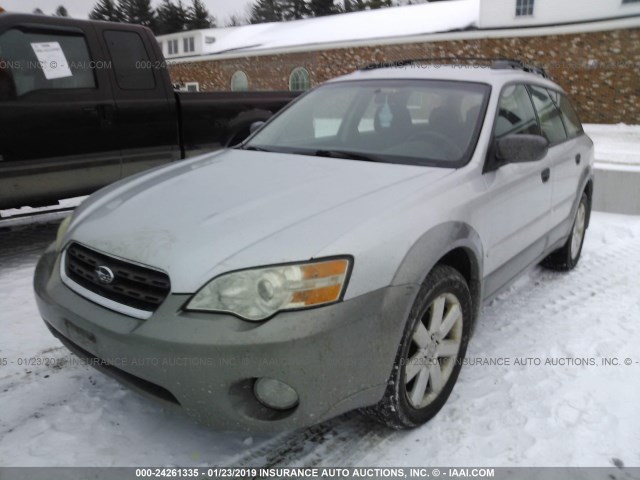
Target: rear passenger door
[[56, 112], [147, 126]]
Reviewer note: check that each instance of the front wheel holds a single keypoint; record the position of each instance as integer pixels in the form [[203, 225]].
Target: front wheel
[[567, 257], [431, 352]]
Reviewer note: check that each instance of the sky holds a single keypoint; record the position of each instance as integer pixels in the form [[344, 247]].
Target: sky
[[221, 9]]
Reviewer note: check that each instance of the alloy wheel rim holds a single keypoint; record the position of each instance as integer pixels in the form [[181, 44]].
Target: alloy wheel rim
[[433, 352], [578, 231]]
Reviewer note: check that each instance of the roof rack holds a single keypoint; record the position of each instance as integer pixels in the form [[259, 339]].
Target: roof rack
[[493, 63]]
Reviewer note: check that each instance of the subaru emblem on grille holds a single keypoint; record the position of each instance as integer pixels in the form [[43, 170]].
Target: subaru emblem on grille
[[105, 275]]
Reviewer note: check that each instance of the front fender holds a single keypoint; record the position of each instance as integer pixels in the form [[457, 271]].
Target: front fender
[[433, 246]]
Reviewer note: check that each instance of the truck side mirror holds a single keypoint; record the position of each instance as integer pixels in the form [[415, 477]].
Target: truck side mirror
[[519, 148], [255, 126], [7, 85]]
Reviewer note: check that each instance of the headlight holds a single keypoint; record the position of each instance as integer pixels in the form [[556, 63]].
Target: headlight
[[259, 293], [62, 231]]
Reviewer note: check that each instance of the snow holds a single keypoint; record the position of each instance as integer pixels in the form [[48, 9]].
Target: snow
[[63, 413], [616, 146], [351, 27]]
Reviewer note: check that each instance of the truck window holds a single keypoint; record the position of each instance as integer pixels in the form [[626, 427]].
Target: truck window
[[131, 63], [31, 61]]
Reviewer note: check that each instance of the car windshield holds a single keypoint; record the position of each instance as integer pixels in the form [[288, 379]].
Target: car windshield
[[418, 122]]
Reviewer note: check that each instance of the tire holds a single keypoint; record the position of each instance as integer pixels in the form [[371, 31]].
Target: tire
[[413, 395], [567, 257]]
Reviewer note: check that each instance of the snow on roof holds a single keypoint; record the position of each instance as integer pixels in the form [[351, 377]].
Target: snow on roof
[[351, 27]]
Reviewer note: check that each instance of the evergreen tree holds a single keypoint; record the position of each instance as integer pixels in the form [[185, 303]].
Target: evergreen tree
[[106, 10], [235, 21], [38, 11], [354, 5], [199, 16], [295, 9], [320, 8], [374, 4], [138, 12], [61, 11], [264, 11], [171, 18]]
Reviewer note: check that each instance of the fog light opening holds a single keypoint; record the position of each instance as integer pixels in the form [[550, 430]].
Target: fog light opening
[[275, 394]]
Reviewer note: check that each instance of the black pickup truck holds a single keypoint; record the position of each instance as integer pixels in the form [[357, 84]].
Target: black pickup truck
[[84, 103]]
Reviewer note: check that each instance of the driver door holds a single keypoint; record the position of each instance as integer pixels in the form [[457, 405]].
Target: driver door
[[515, 214]]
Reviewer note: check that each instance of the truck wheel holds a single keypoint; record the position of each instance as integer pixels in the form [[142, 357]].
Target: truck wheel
[[567, 257], [430, 354]]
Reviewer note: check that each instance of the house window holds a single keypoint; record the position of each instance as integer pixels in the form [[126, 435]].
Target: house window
[[299, 80], [239, 82], [189, 44], [192, 86], [173, 47], [524, 8]]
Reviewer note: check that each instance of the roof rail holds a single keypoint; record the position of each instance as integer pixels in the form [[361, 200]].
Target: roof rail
[[499, 63]]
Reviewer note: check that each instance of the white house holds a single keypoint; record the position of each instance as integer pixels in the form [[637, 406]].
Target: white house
[[383, 25], [349, 28], [193, 43], [523, 13]]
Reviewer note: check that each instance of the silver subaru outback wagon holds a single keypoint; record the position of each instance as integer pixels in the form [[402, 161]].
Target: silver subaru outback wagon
[[336, 259]]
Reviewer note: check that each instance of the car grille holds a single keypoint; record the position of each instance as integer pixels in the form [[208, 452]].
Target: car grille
[[134, 286]]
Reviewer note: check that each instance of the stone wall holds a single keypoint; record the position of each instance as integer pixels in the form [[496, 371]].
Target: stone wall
[[600, 70]]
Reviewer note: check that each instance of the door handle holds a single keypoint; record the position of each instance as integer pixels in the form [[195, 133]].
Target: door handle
[[578, 158], [101, 112], [92, 111], [546, 173]]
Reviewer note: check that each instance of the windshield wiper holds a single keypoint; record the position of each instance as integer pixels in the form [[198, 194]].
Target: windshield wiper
[[346, 154], [257, 149]]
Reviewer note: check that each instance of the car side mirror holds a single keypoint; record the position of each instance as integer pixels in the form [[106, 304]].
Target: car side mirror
[[255, 126], [519, 148]]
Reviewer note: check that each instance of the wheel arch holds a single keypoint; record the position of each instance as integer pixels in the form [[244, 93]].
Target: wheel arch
[[455, 244]]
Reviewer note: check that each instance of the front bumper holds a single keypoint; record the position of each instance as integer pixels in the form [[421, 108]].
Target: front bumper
[[337, 358]]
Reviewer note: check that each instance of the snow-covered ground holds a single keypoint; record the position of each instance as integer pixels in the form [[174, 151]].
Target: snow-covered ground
[[615, 145], [572, 412]]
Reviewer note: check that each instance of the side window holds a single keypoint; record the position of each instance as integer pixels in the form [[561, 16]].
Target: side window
[[31, 61], [550, 119], [569, 116], [515, 113], [131, 63]]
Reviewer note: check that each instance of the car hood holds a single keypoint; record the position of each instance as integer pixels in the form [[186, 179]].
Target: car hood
[[238, 209]]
